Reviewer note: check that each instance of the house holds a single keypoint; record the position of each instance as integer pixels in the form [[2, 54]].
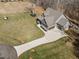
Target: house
[[51, 18], [7, 52], [63, 23]]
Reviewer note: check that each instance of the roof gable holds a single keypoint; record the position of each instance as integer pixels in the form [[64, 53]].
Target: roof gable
[[62, 20]]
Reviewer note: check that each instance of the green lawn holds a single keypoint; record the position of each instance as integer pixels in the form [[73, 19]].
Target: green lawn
[[18, 29], [55, 50]]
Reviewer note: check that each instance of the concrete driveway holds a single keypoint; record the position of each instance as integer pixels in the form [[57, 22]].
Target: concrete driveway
[[50, 36]]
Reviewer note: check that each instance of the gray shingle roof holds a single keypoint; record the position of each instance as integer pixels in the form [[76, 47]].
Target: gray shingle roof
[[52, 12], [62, 21], [51, 16], [40, 17]]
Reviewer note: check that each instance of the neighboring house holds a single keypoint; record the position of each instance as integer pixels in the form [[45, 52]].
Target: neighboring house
[[7, 52], [51, 18]]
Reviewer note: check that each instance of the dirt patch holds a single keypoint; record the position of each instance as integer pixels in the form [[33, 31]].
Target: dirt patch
[[38, 10], [13, 7]]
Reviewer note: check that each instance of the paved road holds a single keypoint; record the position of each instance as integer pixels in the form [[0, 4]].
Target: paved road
[[50, 36]]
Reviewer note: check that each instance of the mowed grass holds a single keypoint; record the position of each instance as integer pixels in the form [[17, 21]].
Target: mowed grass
[[55, 50], [18, 29]]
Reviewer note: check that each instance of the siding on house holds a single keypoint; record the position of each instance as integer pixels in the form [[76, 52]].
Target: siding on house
[[49, 17]]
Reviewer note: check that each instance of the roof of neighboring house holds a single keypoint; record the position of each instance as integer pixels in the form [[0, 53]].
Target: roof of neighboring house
[[50, 21], [51, 16], [62, 21], [52, 12], [7, 52]]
